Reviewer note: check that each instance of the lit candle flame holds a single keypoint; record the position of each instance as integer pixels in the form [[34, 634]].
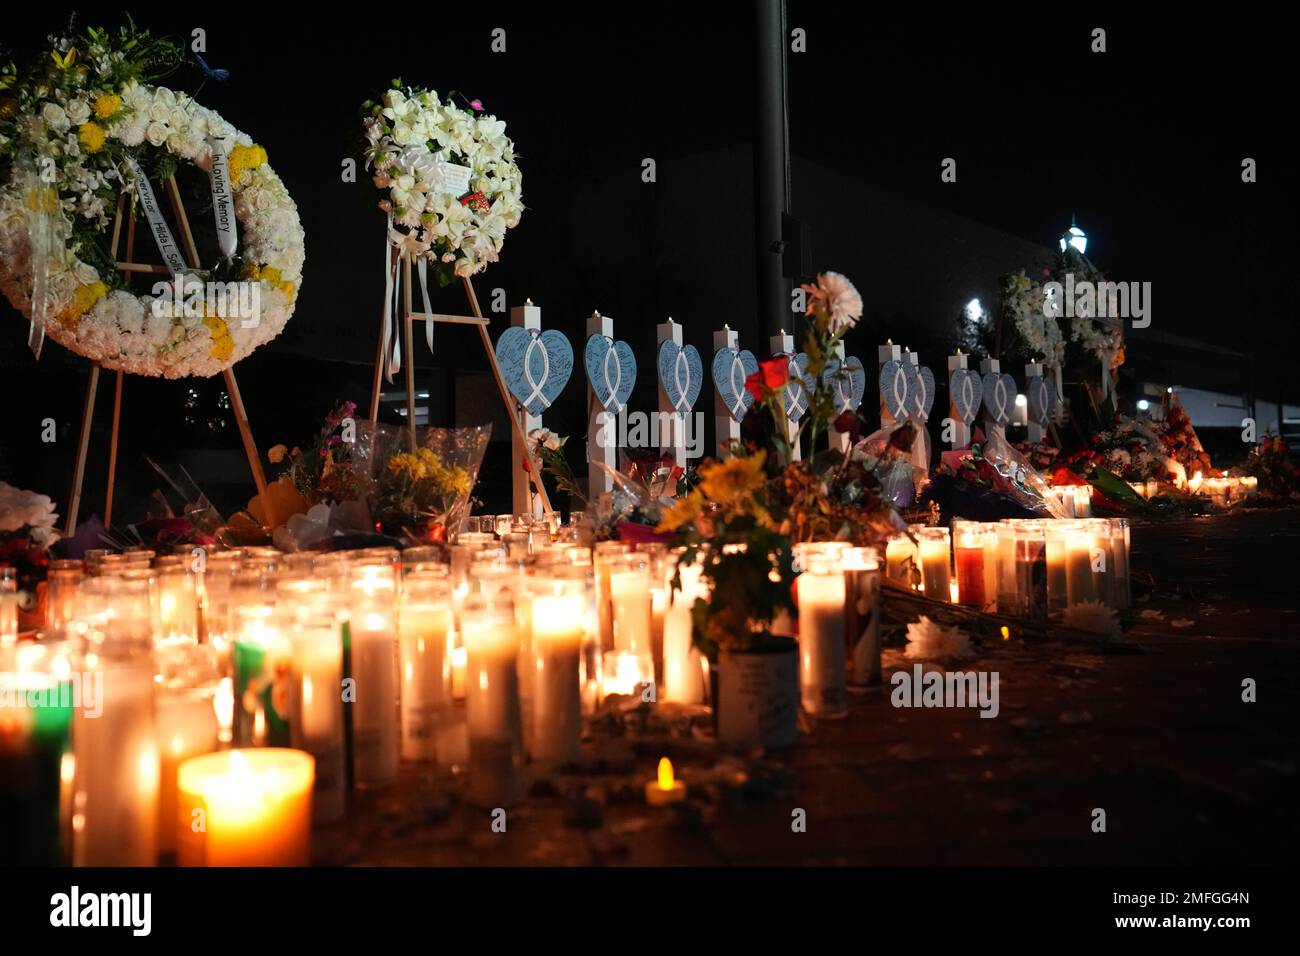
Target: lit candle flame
[[665, 773], [1006, 633]]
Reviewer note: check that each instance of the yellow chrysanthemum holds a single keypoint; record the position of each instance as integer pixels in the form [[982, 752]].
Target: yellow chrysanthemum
[[83, 300], [270, 274], [91, 136], [107, 105], [223, 346], [727, 481], [242, 158]]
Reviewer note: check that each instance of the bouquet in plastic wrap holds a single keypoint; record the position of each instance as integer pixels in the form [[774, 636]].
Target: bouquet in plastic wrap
[[420, 492]]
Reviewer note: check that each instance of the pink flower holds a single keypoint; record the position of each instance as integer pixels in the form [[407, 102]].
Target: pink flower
[[476, 105]]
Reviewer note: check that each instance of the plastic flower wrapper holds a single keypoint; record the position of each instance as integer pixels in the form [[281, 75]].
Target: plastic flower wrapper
[[634, 508], [421, 492]]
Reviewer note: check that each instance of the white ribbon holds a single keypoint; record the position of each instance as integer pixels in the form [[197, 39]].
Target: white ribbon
[[403, 244], [1107, 358], [44, 225], [682, 379], [618, 377], [223, 200], [162, 234], [738, 388], [535, 341]]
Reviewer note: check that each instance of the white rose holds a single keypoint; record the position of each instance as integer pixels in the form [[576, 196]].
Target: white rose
[[55, 118], [164, 96], [157, 133], [78, 112]]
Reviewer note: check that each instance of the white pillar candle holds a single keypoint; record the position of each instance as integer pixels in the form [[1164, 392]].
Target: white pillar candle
[[425, 636], [900, 557], [1058, 594], [862, 613], [1103, 560], [822, 650], [1080, 584], [313, 623], [373, 629], [558, 633], [683, 675], [629, 589], [186, 726], [1119, 530], [115, 793], [492, 700]]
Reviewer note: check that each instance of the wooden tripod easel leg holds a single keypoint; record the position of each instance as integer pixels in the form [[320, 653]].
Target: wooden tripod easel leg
[[245, 430], [534, 472], [83, 444], [112, 450]]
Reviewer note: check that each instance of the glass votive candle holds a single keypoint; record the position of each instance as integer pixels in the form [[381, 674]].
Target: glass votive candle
[[425, 634], [559, 612], [968, 557], [862, 614], [255, 804], [178, 605], [115, 784], [631, 605], [1119, 542], [186, 725], [62, 579], [8, 605], [312, 621], [262, 678], [492, 700], [1080, 583], [1102, 558], [1083, 501], [822, 644], [683, 681], [901, 560], [603, 554], [1056, 542], [35, 750], [936, 572], [1031, 570], [373, 658]]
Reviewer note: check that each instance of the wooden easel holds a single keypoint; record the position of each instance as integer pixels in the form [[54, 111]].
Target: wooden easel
[[477, 319], [127, 267]]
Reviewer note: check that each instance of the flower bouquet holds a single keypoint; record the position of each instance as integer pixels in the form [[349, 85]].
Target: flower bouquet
[[1270, 462], [27, 529]]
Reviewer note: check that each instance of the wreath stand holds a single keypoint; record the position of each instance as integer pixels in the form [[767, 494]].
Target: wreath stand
[[513, 410], [127, 267]]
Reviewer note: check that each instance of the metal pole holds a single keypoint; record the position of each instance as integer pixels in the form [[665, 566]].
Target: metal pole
[[771, 163]]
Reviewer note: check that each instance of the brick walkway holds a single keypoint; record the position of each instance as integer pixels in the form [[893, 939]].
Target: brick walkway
[[1153, 732]]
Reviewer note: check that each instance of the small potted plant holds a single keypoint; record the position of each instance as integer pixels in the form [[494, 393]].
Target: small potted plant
[[745, 563]]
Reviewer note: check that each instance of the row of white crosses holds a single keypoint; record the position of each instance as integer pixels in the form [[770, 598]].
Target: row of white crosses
[[994, 391], [536, 365]]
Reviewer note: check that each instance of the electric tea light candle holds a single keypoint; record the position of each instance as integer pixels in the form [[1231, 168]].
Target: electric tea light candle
[[245, 808], [664, 789]]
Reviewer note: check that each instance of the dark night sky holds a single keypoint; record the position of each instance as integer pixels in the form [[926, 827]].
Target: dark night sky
[[1143, 143]]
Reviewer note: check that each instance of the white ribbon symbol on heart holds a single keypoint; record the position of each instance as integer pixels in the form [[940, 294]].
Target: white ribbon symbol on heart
[[682, 379], [795, 393], [899, 388], [968, 396], [738, 389], [535, 342], [1000, 413], [618, 375]]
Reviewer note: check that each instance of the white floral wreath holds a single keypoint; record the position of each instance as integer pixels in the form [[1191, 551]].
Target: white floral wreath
[[450, 175], [1040, 333], [118, 328]]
